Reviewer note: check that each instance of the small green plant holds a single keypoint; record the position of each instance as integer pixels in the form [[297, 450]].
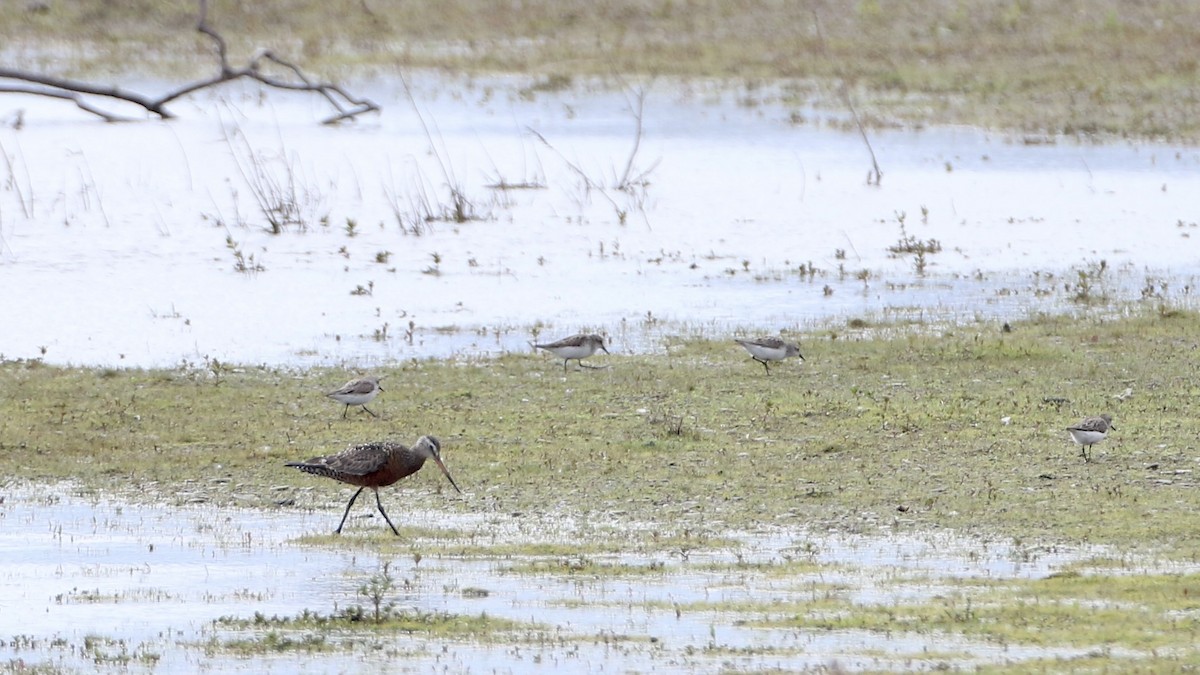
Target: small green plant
[[376, 591], [216, 368], [274, 182], [672, 424], [463, 209], [243, 263], [911, 244], [767, 408], [1155, 289], [808, 271], [1089, 283], [434, 269]]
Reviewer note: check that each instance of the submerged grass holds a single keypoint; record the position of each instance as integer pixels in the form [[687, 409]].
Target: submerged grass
[[1142, 613], [1073, 67], [434, 623], [351, 628], [961, 428]]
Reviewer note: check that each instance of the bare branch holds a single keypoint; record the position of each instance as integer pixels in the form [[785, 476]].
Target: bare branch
[[203, 27], [587, 180], [346, 105], [66, 85], [76, 98], [190, 88]]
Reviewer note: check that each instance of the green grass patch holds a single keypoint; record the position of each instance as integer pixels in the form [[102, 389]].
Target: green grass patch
[[416, 539], [585, 567], [769, 569], [273, 641], [381, 541], [1144, 613], [958, 428], [350, 628], [437, 624]]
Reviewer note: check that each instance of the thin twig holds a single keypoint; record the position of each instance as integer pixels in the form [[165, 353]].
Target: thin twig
[[462, 209], [638, 103], [875, 176], [203, 27], [26, 209]]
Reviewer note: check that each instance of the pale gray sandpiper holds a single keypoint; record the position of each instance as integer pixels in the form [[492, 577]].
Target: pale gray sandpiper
[[357, 392], [1090, 431], [770, 349], [575, 348]]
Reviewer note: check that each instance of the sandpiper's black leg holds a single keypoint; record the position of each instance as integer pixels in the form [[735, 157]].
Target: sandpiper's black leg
[[369, 410], [346, 411], [356, 494], [764, 364]]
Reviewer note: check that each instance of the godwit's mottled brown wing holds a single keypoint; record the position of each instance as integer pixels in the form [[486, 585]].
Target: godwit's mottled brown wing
[[354, 462], [362, 459]]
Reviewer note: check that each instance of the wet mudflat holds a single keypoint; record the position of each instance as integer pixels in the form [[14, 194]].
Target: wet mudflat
[[93, 583]]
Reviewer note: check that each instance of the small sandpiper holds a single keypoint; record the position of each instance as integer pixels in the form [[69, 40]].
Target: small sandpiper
[[357, 392], [576, 347], [770, 349], [1090, 431]]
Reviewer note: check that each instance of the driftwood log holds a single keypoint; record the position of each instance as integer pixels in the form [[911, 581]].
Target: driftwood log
[[84, 94]]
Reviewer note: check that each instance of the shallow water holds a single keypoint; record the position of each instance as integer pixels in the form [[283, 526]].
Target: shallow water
[[114, 251], [90, 583]]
